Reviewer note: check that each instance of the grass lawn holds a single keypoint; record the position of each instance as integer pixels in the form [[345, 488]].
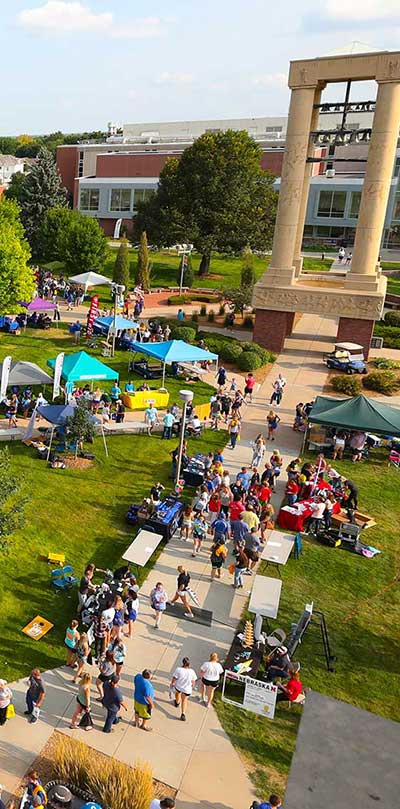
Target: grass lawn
[[224, 271], [361, 603], [393, 286]]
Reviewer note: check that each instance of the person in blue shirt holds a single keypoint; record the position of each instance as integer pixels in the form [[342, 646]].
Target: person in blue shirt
[[143, 698], [274, 802], [115, 391], [221, 528], [181, 315], [168, 421], [129, 387], [244, 478], [218, 456]]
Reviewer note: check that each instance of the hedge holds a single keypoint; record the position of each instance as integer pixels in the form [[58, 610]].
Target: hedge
[[390, 334], [248, 361], [392, 319], [386, 382], [230, 352], [186, 333], [193, 297], [349, 385]]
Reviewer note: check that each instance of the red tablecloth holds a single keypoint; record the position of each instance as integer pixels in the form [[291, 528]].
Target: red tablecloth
[[295, 522]]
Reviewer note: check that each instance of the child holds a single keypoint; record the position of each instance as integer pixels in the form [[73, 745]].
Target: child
[[186, 523], [233, 386]]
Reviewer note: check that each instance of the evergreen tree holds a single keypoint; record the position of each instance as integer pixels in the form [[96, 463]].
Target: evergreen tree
[[15, 188], [247, 276], [143, 263], [41, 190], [122, 265]]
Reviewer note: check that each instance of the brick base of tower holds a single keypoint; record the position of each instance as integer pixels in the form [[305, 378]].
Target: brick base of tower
[[355, 330], [271, 327]]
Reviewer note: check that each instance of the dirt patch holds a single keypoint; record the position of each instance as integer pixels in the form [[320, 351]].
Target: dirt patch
[[44, 764], [214, 276], [78, 463]]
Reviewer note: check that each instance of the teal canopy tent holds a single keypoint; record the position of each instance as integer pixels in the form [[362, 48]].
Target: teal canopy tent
[[82, 367], [357, 413]]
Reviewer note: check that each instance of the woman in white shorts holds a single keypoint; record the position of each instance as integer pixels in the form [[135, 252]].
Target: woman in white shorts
[[210, 674]]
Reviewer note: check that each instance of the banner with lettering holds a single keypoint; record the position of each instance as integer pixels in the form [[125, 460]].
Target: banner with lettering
[[5, 373], [57, 374], [93, 313]]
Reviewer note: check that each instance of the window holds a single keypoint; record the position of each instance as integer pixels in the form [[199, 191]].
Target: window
[[273, 129], [396, 210], [355, 204], [80, 164], [396, 167], [89, 199], [120, 199], [142, 195], [331, 204]]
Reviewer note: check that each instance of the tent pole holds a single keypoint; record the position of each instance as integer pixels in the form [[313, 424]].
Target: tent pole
[[51, 441], [104, 441], [163, 377]]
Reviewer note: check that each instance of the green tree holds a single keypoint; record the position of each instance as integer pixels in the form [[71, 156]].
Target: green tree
[[42, 190], [83, 245], [8, 145], [122, 265], [54, 232], [142, 275], [10, 215], [80, 427], [12, 505], [17, 282], [247, 275], [15, 189], [216, 196]]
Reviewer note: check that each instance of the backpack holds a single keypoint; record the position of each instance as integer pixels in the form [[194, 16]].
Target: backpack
[[39, 790]]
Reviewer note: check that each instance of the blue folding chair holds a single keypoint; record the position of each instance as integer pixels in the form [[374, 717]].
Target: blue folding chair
[[63, 578]]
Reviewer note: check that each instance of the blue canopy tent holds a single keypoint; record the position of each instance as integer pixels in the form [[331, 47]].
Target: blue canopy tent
[[82, 367], [174, 351], [106, 324], [57, 416]]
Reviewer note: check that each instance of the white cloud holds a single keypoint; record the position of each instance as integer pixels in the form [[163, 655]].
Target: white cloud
[[269, 79], [363, 9], [174, 78], [71, 16]]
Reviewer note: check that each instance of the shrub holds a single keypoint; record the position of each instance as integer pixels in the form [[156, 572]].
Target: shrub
[[385, 364], [390, 334], [195, 317], [248, 361], [221, 310], [248, 322], [392, 318], [203, 310], [264, 355], [183, 333], [230, 352], [349, 385], [211, 316], [386, 382], [192, 297]]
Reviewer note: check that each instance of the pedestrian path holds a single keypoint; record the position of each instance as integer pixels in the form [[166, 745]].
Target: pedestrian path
[[195, 757]]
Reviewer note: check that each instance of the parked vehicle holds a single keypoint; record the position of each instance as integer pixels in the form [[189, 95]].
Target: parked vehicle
[[346, 357]]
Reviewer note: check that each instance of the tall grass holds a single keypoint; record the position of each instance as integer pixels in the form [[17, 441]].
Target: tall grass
[[113, 784]]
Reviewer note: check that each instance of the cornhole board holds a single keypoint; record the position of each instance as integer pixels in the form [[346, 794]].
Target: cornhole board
[[361, 519], [177, 610], [37, 628]]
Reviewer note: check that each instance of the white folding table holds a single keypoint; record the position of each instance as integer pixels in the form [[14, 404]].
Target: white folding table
[[265, 596], [277, 549], [142, 548]]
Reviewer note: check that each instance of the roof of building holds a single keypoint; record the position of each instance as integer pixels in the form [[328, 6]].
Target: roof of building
[[10, 160]]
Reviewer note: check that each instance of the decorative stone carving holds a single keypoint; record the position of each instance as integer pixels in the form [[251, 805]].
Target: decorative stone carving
[[320, 302]]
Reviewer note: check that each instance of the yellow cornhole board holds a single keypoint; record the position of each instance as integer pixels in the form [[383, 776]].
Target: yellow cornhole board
[[37, 627], [56, 558]]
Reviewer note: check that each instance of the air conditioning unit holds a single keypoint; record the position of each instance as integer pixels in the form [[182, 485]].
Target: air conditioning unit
[[330, 173]]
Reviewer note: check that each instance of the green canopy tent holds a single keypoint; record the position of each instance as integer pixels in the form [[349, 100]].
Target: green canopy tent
[[357, 413]]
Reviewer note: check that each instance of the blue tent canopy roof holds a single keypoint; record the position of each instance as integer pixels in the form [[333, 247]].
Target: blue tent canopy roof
[[174, 351], [121, 322], [82, 367], [58, 414]]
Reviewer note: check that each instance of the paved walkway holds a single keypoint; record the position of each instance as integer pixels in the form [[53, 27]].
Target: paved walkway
[[195, 757]]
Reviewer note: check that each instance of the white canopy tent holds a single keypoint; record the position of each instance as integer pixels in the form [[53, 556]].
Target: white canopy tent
[[90, 279]]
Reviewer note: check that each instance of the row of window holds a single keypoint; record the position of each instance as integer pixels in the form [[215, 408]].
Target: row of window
[[332, 204], [120, 199]]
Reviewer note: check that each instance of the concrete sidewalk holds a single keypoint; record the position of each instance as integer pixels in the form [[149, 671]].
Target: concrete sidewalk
[[195, 757]]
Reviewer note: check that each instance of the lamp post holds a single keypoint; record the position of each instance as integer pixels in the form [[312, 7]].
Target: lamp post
[[117, 290], [184, 250], [186, 396]]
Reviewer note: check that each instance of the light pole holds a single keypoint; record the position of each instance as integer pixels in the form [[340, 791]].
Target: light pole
[[186, 396], [184, 250], [117, 290]]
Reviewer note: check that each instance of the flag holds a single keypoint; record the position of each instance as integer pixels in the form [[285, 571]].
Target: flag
[[57, 374], [5, 373], [93, 313], [30, 427]]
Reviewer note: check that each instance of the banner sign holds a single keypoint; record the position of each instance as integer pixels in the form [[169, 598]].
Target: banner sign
[[57, 374], [31, 426], [93, 313], [252, 695], [5, 373]]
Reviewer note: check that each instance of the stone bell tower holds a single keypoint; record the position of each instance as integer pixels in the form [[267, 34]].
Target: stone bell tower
[[358, 299]]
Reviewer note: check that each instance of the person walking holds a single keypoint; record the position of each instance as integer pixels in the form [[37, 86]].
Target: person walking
[[82, 701], [71, 641], [186, 525], [150, 417], [210, 673], [35, 695], [258, 450], [113, 701], [183, 681], [118, 649], [272, 424], [158, 601], [249, 387], [242, 563], [56, 314], [131, 611], [143, 697], [106, 671], [5, 700], [221, 378], [218, 554], [182, 590], [168, 422], [234, 431], [82, 655]]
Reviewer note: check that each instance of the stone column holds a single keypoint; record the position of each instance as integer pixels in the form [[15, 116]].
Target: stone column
[[364, 272], [280, 270], [308, 170]]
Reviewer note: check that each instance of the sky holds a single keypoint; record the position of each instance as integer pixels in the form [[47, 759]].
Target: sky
[[74, 65]]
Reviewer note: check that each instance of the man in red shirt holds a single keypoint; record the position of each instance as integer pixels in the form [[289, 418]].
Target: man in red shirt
[[235, 508], [291, 690]]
